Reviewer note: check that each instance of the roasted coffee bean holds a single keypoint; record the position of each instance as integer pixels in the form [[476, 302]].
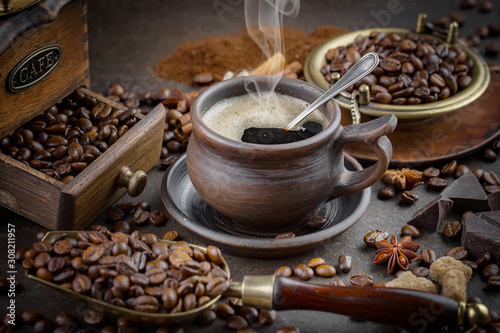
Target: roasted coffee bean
[[483, 260], [420, 271], [490, 178], [171, 235], [215, 255], [42, 246], [206, 318], [316, 221], [409, 230], [92, 253], [283, 271], [490, 49], [470, 264], [383, 97], [82, 284], [41, 260], [122, 226], [31, 317], [146, 304], [189, 302], [169, 298], [315, 262], [168, 160], [478, 173], [449, 168], [95, 318], [303, 272], [224, 311], [488, 155], [459, 253], [62, 247], [114, 213], [217, 286], [43, 326], [126, 207], [345, 263], [140, 217], [489, 271], [409, 197], [493, 284], [250, 313], [437, 184], [236, 322], [337, 283], [121, 282], [156, 218], [44, 274], [388, 192], [373, 237], [143, 205], [361, 280], [468, 4], [267, 317], [325, 270], [66, 275], [461, 170], [174, 146], [427, 257], [486, 6], [452, 229], [20, 253]]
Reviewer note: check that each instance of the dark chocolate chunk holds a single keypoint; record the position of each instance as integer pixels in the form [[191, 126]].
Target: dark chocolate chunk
[[481, 233], [467, 194], [491, 217], [494, 200], [270, 136], [430, 216]]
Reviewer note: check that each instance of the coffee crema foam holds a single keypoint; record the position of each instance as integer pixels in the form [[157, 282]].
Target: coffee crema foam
[[232, 116]]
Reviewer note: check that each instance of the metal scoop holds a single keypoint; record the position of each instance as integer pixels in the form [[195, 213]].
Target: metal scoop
[[362, 68], [392, 306]]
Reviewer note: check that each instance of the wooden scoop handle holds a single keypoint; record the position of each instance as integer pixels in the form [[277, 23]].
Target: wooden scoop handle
[[399, 307]]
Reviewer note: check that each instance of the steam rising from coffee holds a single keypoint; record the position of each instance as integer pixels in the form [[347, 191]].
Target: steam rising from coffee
[[264, 22]]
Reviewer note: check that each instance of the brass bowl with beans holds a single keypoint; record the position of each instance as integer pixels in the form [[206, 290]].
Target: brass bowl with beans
[[135, 278], [418, 76]]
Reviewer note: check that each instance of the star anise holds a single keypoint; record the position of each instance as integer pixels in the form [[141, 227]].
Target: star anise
[[391, 253], [405, 179]]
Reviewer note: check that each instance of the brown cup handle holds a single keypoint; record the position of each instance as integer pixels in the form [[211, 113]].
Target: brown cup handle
[[372, 133]]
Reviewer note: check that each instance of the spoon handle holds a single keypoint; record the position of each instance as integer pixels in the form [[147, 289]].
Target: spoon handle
[[399, 307], [362, 68], [392, 306]]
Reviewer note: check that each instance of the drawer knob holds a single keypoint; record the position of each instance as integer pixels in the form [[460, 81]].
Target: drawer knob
[[135, 182]]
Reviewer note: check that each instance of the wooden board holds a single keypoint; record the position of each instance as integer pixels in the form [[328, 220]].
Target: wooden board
[[68, 31]]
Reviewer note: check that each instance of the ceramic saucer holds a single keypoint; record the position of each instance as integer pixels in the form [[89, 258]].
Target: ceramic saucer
[[212, 228]]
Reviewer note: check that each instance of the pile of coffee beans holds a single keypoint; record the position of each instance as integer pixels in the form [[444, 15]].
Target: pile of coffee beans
[[63, 140], [178, 118], [413, 69], [135, 271]]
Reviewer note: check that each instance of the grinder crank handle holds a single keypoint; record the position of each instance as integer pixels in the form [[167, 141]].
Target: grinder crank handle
[[392, 306]]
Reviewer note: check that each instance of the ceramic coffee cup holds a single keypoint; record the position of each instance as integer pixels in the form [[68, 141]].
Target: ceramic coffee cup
[[274, 186]]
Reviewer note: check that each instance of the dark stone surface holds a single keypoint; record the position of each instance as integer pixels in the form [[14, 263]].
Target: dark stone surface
[[127, 38]]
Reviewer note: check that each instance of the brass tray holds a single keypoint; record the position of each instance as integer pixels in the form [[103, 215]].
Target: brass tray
[[132, 315], [480, 80]]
